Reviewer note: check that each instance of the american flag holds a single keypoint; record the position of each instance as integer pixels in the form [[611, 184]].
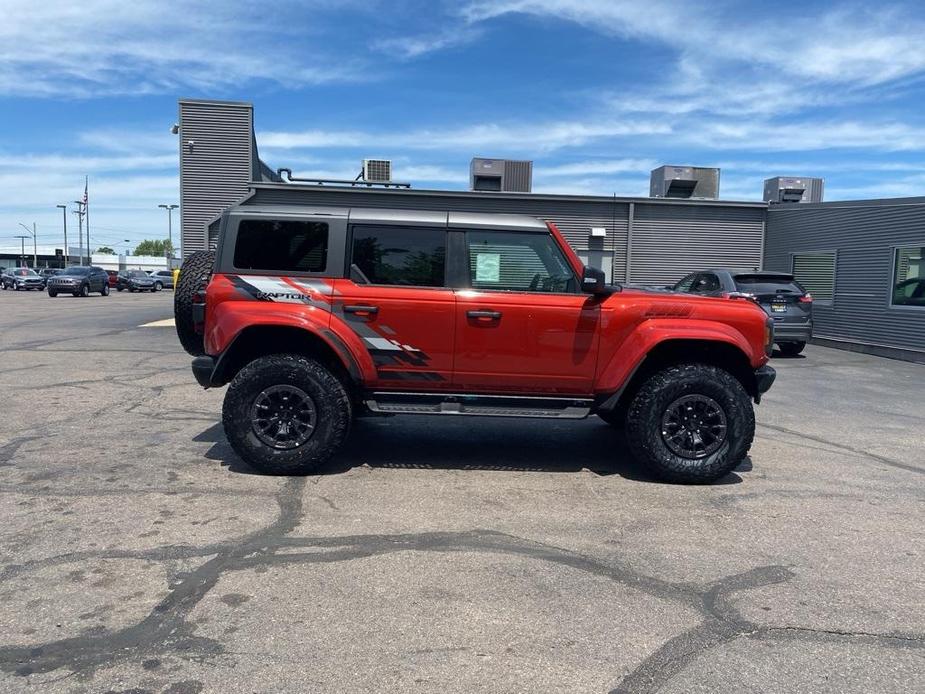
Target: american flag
[[86, 184]]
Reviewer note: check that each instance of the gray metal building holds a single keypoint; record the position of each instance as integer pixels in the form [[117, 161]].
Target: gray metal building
[[863, 261]]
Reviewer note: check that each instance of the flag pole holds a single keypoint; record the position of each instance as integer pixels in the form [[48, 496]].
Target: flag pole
[[87, 210]]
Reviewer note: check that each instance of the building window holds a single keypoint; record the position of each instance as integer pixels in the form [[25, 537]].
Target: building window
[[816, 272], [285, 246], [908, 276], [404, 256]]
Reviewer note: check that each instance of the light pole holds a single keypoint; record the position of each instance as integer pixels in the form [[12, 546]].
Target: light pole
[[170, 209], [127, 242], [35, 245], [22, 249], [67, 254]]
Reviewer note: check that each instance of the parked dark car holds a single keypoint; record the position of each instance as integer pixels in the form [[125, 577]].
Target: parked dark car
[[135, 281], [80, 281], [47, 272], [163, 279], [21, 279], [782, 297]]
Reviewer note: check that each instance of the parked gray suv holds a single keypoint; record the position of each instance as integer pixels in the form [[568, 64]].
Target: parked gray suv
[[789, 304]]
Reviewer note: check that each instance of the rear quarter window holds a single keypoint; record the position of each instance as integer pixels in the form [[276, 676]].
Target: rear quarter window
[[281, 245]]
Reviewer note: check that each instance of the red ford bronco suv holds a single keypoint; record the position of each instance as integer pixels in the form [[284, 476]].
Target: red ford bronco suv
[[316, 315]]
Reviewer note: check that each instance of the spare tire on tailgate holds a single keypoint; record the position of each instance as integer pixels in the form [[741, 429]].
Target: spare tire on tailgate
[[194, 270]]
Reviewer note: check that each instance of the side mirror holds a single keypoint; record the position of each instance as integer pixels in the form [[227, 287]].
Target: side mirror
[[593, 281]]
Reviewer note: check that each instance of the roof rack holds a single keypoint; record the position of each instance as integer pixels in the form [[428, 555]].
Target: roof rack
[[338, 182]]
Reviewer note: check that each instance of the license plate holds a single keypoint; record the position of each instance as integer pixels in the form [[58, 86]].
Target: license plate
[[779, 308]]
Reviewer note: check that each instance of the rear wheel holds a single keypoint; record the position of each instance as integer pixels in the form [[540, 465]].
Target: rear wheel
[[691, 423], [105, 290], [194, 268], [285, 414], [791, 349]]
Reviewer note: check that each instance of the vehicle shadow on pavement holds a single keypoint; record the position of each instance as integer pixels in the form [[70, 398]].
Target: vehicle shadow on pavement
[[468, 444]]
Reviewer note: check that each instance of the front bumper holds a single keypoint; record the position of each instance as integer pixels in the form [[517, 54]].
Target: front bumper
[[764, 379]]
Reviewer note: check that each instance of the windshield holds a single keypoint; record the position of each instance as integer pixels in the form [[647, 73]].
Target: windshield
[[768, 284], [137, 273], [24, 272], [79, 271]]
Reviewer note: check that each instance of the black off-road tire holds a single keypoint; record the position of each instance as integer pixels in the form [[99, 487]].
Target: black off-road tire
[[52, 293], [329, 397], [105, 290], [644, 422], [192, 271], [791, 349]]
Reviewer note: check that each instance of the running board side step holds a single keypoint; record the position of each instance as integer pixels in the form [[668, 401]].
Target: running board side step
[[479, 405]]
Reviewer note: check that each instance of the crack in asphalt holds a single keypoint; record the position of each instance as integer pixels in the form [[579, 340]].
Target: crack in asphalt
[[856, 451], [166, 629]]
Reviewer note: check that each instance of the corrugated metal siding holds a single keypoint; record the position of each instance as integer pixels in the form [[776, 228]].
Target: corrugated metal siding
[[670, 241], [573, 218], [216, 169], [864, 237]]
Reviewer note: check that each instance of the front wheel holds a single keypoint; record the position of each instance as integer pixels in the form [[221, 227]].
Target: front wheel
[[105, 290], [85, 290], [285, 414], [158, 286], [52, 293], [691, 423]]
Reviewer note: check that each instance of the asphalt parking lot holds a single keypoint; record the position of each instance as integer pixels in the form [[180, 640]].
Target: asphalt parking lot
[[138, 554]]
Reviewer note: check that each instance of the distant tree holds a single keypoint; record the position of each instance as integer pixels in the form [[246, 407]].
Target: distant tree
[[154, 247], [105, 250]]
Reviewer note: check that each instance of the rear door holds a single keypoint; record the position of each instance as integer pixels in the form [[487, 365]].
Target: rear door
[[396, 300], [522, 324]]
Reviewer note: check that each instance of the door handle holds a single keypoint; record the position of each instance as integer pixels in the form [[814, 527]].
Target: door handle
[[361, 310], [491, 315]]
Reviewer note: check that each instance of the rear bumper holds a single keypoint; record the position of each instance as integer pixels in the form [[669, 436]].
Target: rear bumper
[[203, 368], [793, 332]]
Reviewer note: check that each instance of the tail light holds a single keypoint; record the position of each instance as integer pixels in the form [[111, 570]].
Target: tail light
[[769, 336], [806, 299]]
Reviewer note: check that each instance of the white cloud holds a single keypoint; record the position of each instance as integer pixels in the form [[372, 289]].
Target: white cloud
[[421, 44], [95, 48], [475, 139]]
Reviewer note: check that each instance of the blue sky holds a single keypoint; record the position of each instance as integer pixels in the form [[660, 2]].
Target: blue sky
[[596, 93]]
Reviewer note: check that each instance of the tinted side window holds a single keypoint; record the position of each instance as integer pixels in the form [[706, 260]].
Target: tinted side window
[[706, 282], [407, 256], [284, 245], [513, 261], [685, 284]]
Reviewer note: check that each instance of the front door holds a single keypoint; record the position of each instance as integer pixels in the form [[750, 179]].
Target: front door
[[522, 325], [397, 302]]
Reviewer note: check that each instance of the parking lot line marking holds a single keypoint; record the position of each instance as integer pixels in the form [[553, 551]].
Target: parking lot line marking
[[166, 323]]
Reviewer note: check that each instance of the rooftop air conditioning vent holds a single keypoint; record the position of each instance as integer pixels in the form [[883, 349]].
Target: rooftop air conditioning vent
[[377, 170]]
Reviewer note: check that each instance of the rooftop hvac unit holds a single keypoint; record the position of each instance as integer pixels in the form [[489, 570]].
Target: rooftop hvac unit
[[501, 175], [684, 182], [786, 189], [377, 170]]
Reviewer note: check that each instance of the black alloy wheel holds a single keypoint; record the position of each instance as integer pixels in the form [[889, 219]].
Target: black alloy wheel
[[283, 416], [694, 426]]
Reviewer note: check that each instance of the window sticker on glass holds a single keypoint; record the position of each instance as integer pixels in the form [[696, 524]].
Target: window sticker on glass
[[488, 267]]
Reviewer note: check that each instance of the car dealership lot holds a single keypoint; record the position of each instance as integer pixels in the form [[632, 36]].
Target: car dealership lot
[[137, 553]]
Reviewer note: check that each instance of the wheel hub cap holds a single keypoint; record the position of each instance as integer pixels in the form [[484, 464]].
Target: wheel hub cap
[[694, 426], [283, 416]]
